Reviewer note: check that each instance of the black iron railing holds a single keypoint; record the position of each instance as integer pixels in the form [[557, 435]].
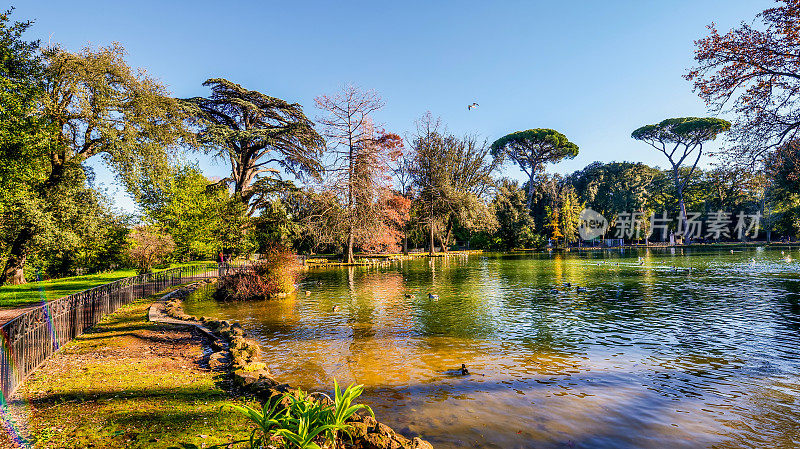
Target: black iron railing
[[30, 338]]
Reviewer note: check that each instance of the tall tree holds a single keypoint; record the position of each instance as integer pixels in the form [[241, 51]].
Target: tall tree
[[192, 210], [93, 103], [254, 133], [452, 175], [22, 153], [402, 169], [532, 149], [754, 70], [680, 140], [357, 153]]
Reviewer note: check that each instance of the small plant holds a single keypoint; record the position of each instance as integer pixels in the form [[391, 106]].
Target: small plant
[[305, 422], [343, 407]]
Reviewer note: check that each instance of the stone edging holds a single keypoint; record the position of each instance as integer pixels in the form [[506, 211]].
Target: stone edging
[[240, 356]]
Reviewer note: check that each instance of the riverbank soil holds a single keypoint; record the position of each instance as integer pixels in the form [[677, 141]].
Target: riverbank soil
[[126, 383]]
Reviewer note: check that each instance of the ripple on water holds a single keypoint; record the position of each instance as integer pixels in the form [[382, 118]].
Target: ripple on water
[[646, 357]]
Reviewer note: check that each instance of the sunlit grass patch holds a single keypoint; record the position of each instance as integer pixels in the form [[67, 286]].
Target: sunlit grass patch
[[130, 383]]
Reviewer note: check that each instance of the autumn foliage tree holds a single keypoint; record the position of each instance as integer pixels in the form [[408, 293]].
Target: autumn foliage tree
[[754, 71], [359, 172]]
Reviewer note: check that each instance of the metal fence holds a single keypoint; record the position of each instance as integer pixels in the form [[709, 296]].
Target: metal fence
[[231, 267], [30, 338]]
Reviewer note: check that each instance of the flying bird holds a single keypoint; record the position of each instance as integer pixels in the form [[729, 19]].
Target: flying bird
[[472, 106]]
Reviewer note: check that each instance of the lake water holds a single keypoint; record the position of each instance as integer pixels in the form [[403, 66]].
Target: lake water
[[646, 357]]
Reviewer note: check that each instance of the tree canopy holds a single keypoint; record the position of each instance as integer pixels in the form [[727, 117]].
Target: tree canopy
[[680, 140], [533, 148], [255, 132], [754, 71]]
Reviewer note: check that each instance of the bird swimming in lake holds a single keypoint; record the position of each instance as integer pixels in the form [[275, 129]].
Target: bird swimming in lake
[[554, 291], [464, 370], [568, 284], [335, 308], [408, 295], [581, 289], [432, 296], [472, 106], [308, 293]]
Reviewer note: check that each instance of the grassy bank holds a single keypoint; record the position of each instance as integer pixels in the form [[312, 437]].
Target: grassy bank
[[12, 296], [127, 383]]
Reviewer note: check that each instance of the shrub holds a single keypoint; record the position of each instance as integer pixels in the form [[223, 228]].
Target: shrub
[[274, 274]]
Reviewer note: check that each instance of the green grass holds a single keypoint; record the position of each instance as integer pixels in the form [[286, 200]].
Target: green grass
[[12, 296], [129, 383]]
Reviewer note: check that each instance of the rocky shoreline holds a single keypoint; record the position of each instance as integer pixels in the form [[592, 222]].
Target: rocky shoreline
[[241, 357]]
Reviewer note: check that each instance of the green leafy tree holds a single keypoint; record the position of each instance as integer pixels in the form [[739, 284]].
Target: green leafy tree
[[617, 187], [451, 176], [22, 148], [553, 224], [255, 133], [569, 216], [92, 103], [191, 209], [532, 149], [681, 141], [515, 226]]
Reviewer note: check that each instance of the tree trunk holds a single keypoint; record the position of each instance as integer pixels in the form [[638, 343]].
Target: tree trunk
[[432, 248], [442, 242], [681, 207], [682, 215], [14, 273], [530, 191], [405, 243], [350, 241], [448, 233]]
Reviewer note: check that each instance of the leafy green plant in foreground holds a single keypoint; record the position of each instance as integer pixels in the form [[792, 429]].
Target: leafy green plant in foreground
[[305, 422]]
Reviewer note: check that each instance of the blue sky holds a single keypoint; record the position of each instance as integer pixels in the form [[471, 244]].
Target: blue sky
[[594, 70]]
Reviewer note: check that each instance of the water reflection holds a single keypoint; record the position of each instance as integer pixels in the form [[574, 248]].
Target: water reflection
[[651, 355]]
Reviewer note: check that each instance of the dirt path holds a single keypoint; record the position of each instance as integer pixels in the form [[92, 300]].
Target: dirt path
[[7, 315], [125, 383]]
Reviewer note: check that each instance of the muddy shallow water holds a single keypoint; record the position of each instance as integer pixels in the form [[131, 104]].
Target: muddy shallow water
[[647, 357]]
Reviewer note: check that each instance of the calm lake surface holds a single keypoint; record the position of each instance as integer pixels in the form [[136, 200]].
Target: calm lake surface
[[647, 357]]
